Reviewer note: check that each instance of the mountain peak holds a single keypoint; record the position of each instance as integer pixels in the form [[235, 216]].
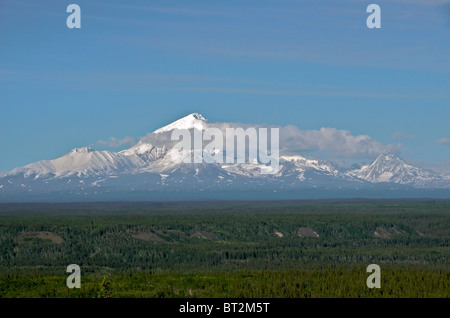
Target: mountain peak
[[194, 120], [81, 150], [196, 116], [388, 156], [389, 152], [389, 167]]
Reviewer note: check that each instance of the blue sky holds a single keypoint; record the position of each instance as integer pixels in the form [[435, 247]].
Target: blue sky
[[135, 66]]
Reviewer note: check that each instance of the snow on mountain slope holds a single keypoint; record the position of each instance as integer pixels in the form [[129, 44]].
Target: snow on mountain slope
[[315, 172], [297, 164], [80, 161], [190, 121], [252, 170], [146, 151], [301, 163], [150, 152], [389, 167]]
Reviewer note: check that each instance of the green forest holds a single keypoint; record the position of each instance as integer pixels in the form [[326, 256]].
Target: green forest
[[217, 250]]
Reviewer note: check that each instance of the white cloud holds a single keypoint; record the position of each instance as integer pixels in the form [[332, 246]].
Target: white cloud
[[293, 140], [444, 141], [114, 142], [340, 143]]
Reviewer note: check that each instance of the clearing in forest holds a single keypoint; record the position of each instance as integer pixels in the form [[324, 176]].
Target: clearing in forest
[[278, 233], [147, 236], [307, 232], [42, 235], [205, 235], [381, 232]]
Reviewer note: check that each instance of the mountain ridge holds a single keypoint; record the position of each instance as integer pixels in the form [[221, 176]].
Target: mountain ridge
[[151, 166]]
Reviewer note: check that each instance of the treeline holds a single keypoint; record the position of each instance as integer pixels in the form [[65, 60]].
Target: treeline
[[329, 283]]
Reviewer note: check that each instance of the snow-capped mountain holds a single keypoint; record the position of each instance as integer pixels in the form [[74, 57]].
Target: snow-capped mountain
[[83, 161], [390, 168], [191, 121], [152, 169]]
